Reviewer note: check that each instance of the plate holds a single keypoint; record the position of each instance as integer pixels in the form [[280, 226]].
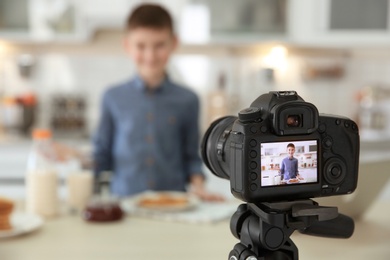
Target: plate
[[167, 201], [22, 223]]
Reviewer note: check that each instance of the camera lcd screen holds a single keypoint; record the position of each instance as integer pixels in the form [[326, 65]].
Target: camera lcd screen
[[289, 163]]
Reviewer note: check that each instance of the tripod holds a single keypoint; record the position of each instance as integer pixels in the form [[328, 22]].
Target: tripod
[[264, 229]]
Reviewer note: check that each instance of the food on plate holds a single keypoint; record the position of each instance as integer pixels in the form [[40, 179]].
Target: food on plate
[[163, 200], [6, 208], [293, 181]]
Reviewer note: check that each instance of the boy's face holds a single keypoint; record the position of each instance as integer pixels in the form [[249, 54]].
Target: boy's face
[[150, 50], [290, 151]]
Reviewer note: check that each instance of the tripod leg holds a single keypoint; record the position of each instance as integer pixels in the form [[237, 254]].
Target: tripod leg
[[288, 252]]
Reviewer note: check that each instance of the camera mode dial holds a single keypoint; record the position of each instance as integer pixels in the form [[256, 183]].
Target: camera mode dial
[[249, 114], [335, 171]]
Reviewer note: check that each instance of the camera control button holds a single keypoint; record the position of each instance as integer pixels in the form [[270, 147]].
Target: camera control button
[[253, 129], [338, 121], [253, 165], [322, 128], [264, 129], [326, 155], [335, 171], [327, 142], [253, 154], [253, 143], [253, 176], [253, 187]]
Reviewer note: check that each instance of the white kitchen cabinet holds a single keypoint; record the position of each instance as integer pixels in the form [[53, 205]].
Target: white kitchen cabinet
[[243, 22], [13, 159], [104, 13], [42, 21], [14, 18], [339, 23], [223, 21]]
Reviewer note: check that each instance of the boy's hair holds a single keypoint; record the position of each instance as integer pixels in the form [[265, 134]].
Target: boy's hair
[[149, 15], [291, 145]]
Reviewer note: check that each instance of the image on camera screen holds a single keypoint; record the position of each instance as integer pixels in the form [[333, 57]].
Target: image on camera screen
[[292, 162]]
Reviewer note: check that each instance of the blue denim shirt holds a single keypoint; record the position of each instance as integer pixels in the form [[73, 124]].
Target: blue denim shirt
[[289, 168], [148, 139]]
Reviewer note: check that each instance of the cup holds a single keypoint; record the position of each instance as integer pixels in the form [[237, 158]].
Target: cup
[[277, 179], [80, 189]]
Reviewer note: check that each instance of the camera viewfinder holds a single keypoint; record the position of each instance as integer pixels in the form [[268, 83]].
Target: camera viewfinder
[[294, 121]]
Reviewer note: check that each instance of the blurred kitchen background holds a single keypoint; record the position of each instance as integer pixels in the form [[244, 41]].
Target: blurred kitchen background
[[58, 56]]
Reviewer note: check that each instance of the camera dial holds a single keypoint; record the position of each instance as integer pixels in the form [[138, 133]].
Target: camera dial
[[249, 114]]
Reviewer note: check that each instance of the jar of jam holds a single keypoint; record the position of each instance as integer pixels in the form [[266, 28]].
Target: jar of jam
[[103, 210]]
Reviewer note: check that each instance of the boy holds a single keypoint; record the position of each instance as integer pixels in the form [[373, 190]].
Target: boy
[[289, 167], [148, 131]]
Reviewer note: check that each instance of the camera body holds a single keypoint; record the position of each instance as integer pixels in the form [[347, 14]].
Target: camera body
[[281, 148]]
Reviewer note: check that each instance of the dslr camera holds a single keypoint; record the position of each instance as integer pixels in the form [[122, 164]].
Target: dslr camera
[[282, 149]]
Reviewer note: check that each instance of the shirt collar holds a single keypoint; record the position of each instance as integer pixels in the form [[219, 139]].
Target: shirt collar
[[139, 84]]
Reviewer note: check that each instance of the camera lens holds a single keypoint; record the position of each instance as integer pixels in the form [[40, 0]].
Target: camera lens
[[294, 121], [214, 149]]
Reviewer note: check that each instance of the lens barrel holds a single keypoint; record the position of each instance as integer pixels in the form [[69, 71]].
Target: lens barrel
[[213, 149]]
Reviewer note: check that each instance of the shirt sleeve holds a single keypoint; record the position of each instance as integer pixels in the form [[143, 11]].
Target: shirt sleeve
[[282, 168], [191, 140], [103, 139]]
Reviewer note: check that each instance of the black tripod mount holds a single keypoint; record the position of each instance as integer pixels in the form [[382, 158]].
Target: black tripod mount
[[264, 229]]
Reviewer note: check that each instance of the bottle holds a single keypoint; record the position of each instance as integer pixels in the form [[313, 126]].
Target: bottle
[[41, 177], [218, 105]]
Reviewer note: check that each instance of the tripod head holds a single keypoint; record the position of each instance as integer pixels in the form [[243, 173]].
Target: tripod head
[[264, 229]]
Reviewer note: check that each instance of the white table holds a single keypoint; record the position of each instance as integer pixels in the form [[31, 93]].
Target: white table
[[69, 237]]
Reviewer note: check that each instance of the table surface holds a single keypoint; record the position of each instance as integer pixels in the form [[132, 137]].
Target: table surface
[[69, 237]]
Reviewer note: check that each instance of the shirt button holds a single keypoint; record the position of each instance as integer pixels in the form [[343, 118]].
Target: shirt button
[[149, 139], [151, 184], [149, 117], [149, 161], [172, 120]]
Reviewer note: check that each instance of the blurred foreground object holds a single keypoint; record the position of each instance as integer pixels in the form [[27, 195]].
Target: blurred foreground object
[[41, 177], [6, 208], [80, 188], [103, 207], [99, 210]]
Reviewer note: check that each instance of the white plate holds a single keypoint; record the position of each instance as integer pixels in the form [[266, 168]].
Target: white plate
[[132, 204], [22, 223]]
